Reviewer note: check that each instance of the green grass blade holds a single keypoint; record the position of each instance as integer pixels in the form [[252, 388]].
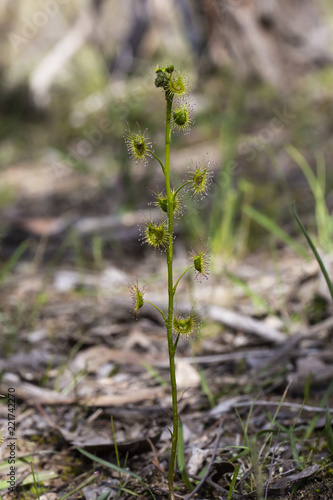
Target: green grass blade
[[233, 482], [317, 185], [12, 261], [154, 373], [97, 251], [328, 431], [258, 301], [35, 482], [307, 387], [316, 254], [104, 496], [224, 237], [108, 464], [205, 388], [273, 228], [280, 403], [304, 166], [246, 451], [29, 480], [296, 457], [114, 467], [322, 403], [181, 456], [115, 442], [323, 218], [81, 485]]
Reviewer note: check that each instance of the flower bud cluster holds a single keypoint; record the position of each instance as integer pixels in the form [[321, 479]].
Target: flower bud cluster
[[163, 76], [176, 85], [182, 116]]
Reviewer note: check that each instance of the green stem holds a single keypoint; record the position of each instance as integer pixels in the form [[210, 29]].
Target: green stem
[[180, 277], [157, 158], [182, 186], [157, 308], [171, 348]]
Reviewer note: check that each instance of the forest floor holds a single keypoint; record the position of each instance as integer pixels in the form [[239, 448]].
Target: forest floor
[[91, 382]]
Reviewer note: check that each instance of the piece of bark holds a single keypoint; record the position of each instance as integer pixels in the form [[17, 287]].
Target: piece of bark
[[32, 393]]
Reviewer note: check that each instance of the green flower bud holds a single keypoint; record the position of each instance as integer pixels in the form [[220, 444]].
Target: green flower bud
[[162, 78], [182, 116], [173, 84]]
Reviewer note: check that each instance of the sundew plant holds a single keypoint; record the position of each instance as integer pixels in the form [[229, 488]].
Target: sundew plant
[[160, 234]]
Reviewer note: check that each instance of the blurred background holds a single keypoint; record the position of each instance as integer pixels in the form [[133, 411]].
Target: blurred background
[[75, 75]]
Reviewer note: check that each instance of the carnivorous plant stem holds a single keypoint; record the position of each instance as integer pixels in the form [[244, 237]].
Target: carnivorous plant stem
[[171, 347], [157, 158]]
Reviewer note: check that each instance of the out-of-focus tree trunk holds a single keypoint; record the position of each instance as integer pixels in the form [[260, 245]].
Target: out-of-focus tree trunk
[[275, 39], [42, 77]]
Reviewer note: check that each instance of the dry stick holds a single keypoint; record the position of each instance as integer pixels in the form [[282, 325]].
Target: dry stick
[[217, 441], [279, 353], [223, 490], [229, 356], [285, 404], [274, 356], [292, 342], [65, 434], [155, 459], [245, 323], [219, 488]]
